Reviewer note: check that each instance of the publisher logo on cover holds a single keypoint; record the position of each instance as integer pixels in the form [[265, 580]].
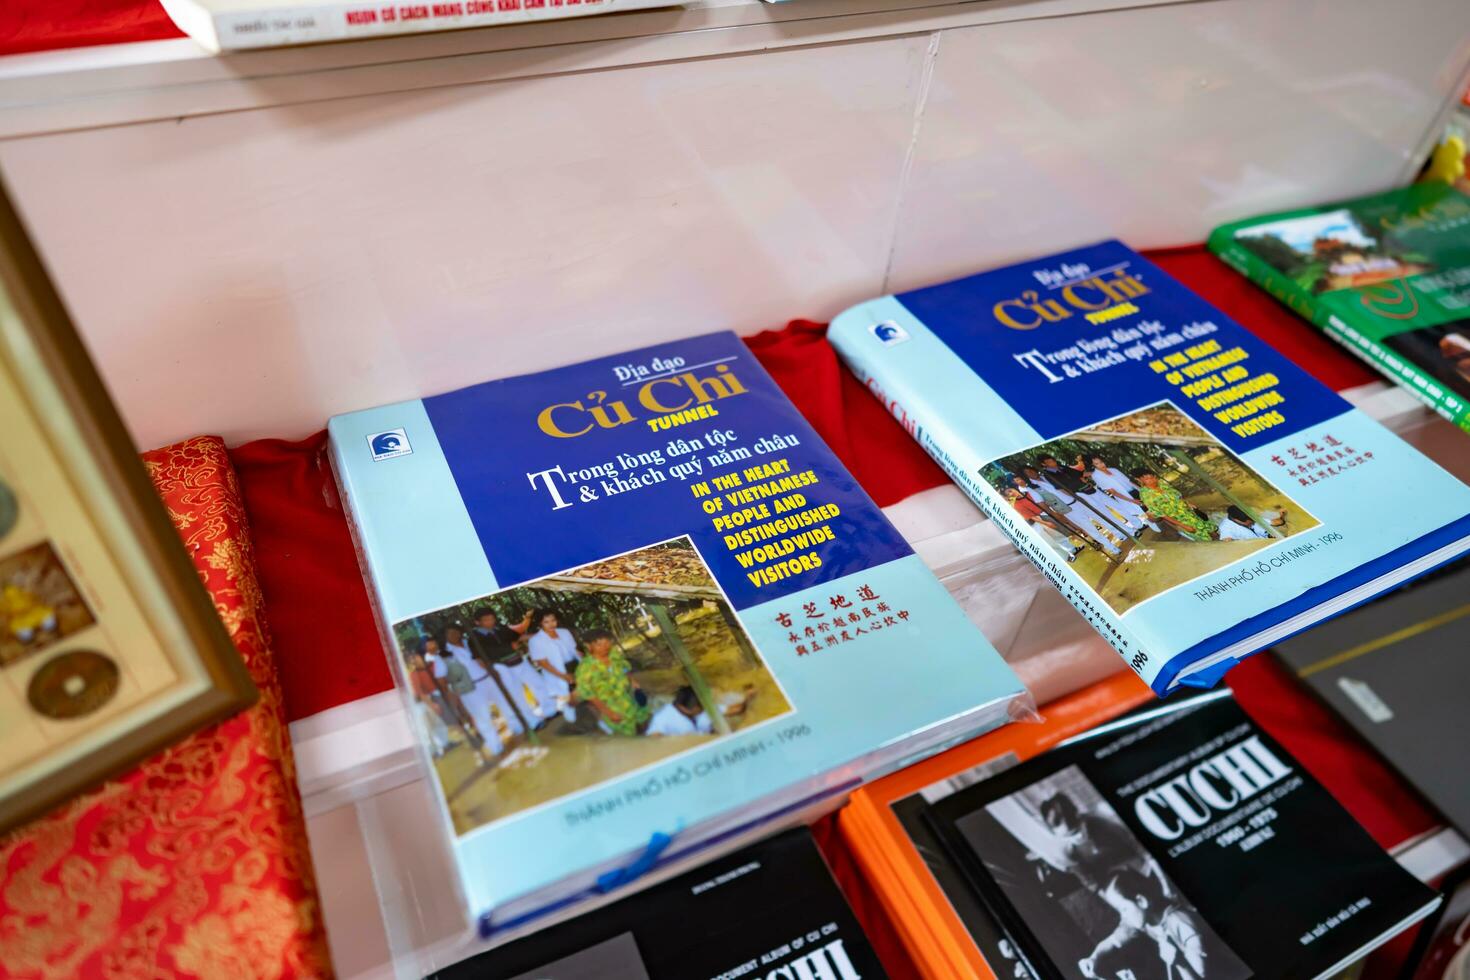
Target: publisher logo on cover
[[889, 333], [387, 445]]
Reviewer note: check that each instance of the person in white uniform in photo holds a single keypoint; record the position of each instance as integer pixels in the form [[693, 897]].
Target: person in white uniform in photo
[[482, 691], [1120, 492], [686, 716], [1056, 503], [1092, 510], [682, 716], [1078, 517], [1037, 484], [1031, 511], [501, 646], [1236, 525], [553, 649]]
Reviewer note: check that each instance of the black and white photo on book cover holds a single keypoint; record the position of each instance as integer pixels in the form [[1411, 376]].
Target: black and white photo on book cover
[[1149, 848], [1001, 954], [612, 959], [1442, 947], [1064, 858]]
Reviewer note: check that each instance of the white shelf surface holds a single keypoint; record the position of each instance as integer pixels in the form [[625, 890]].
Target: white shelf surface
[[128, 83]]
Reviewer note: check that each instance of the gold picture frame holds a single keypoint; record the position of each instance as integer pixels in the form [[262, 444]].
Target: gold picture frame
[[110, 647]]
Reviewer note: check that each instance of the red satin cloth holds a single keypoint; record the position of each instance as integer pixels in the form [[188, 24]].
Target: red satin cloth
[[328, 650], [42, 25]]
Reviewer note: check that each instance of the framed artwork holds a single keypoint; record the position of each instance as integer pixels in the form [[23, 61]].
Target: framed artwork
[[110, 648]]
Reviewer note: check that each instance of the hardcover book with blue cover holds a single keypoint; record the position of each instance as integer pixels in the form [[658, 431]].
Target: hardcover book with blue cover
[[1190, 491], [636, 596]]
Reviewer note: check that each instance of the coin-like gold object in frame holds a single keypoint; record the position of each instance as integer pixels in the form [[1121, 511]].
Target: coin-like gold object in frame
[[9, 509], [73, 684]]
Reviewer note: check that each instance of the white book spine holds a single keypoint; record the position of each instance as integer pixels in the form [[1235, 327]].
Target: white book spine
[[223, 25]]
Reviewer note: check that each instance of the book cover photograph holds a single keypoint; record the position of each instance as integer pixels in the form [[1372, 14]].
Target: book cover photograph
[[1193, 493], [663, 666], [1160, 501], [1387, 275], [769, 912], [941, 920], [1149, 849], [1442, 947], [638, 595]]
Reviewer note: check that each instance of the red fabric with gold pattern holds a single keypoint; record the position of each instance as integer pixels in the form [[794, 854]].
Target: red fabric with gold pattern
[[194, 864]]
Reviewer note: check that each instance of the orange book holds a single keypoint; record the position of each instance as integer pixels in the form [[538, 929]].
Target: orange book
[[929, 926]]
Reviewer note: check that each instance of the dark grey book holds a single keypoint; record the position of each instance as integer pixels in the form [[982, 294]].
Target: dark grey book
[[1398, 671], [769, 912]]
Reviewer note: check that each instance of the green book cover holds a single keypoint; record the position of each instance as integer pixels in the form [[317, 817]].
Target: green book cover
[[1388, 276]]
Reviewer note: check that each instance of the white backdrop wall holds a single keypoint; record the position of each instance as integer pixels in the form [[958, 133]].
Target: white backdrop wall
[[266, 255]]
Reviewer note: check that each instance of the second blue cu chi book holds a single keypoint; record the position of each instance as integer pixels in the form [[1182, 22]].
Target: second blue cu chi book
[[1189, 490]]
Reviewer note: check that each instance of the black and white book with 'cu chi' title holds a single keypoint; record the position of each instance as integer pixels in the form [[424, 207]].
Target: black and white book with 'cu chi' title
[[1179, 843]]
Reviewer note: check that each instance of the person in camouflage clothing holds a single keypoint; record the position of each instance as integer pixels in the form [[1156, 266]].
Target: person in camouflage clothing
[[1167, 504], [604, 681]]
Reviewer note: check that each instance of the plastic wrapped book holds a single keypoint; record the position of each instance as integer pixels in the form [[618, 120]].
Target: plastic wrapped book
[[1194, 494], [637, 608]]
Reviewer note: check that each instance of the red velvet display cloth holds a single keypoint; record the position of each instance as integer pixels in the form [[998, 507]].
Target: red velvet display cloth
[[43, 25], [329, 652]]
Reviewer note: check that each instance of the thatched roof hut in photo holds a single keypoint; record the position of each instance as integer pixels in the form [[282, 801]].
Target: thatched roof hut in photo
[[1176, 434]]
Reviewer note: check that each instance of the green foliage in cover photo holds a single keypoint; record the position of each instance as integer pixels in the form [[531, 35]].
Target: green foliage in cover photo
[[600, 671], [1144, 503], [1333, 250]]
